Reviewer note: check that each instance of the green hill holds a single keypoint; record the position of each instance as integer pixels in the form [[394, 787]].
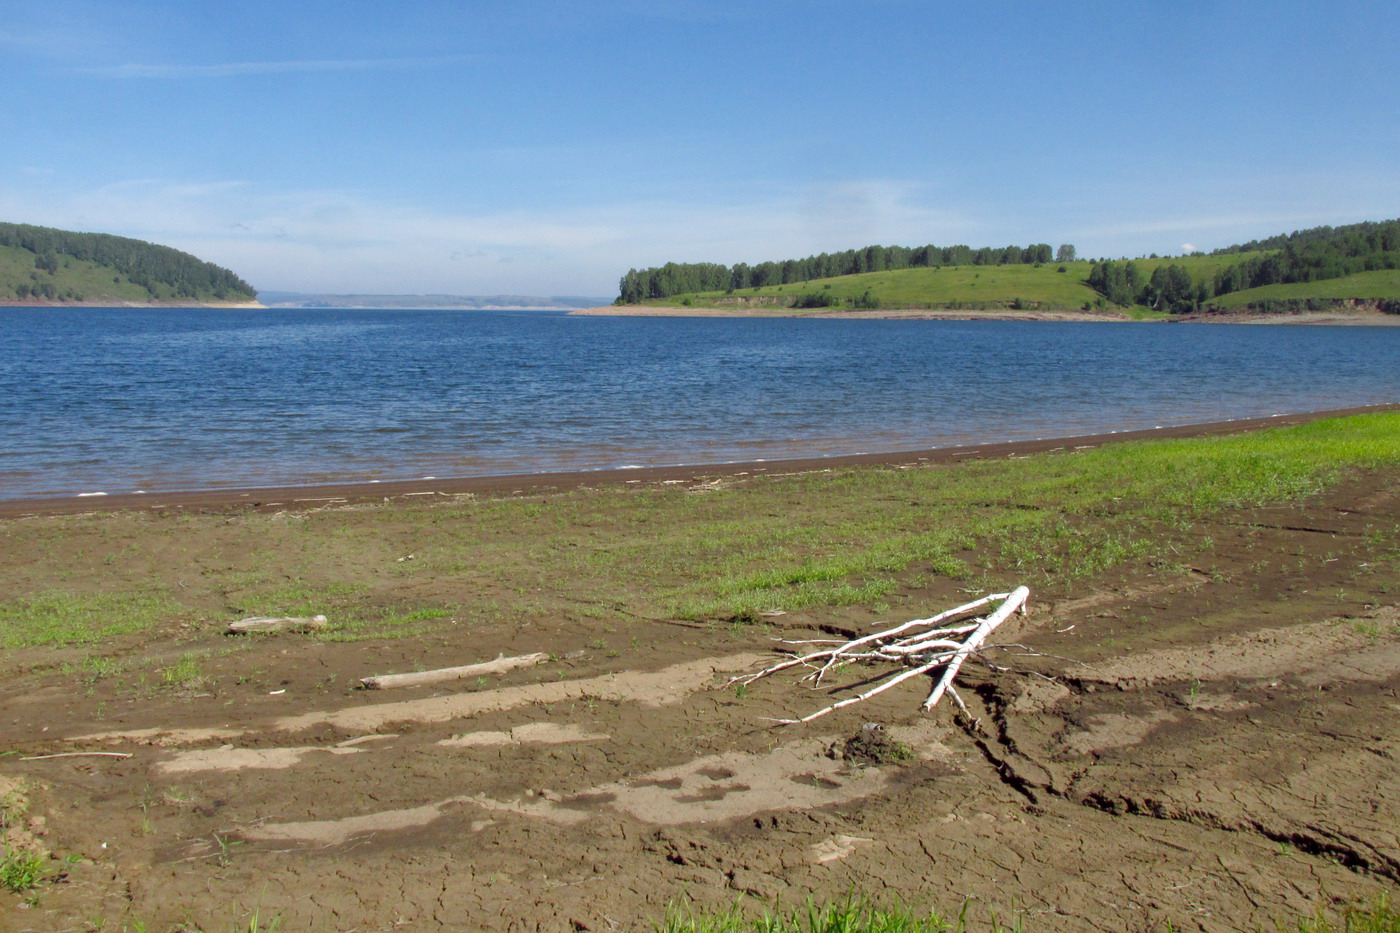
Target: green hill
[[1307, 270], [1379, 285], [41, 265], [1031, 287]]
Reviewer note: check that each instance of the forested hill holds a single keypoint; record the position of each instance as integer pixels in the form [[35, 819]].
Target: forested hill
[[41, 265], [1314, 269], [680, 278]]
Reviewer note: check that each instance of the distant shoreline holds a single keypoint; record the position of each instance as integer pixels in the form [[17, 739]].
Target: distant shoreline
[[248, 305], [1350, 317], [999, 314]]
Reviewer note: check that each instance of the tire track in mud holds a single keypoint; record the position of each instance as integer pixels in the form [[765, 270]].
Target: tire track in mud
[[1314, 656], [793, 776], [664, 687]]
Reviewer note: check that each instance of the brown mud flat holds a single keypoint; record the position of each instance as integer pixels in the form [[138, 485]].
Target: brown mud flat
[[1206, 747]]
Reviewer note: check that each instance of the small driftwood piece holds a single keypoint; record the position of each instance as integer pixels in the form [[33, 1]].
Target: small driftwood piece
[[498, 666], [923, 646], [276, 624]]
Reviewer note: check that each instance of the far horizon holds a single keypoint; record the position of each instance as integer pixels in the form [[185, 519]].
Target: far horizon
[[544, 147]]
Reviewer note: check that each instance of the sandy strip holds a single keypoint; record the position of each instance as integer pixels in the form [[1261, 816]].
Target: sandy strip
[[531, 733], [649, 688], [1357, 317], [1323, 652], [715, 788], [316, 496], [904, 314], [242, 759]]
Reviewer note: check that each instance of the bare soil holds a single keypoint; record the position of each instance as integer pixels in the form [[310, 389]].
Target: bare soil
[[1210, 748]]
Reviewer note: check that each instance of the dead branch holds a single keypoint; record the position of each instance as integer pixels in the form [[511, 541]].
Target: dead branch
[[276, 624], [499, 666], [918, 646]]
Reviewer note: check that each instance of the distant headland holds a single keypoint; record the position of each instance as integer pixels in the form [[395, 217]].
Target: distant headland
[[45, 266], [1322, 273]]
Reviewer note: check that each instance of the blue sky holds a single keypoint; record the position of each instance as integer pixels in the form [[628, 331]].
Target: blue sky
[[546, 146]]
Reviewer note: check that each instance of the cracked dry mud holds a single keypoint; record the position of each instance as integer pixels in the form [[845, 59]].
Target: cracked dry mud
[[1211, 749]]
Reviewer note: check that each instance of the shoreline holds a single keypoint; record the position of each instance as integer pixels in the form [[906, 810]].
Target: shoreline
[[173, 305], [1335, 318], [317, 495], [887, 314]]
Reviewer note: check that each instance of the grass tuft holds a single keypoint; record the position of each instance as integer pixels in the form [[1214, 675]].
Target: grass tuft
[[853, 914], [21, 870], [1377, 917]]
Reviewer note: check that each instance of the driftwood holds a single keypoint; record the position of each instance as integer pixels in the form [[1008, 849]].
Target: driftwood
[[276, 624], [920, 646], [498, 666]]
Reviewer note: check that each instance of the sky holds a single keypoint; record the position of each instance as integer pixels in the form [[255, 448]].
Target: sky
[[544, 147]]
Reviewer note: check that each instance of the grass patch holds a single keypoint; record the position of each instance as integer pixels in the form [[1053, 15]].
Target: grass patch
[[854, 914], [21, 870], [859, 536], [857, 914], [1378, 917], [1382, 283], [184, 674], [968, 287], [65, 619]]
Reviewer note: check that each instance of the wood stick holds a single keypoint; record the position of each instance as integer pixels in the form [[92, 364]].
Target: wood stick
[[276, 624], [896, 679], [498, 666], [1014, 601], [78, 755]]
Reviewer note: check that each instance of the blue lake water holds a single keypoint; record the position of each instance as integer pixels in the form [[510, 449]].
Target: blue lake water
[[120, 400]]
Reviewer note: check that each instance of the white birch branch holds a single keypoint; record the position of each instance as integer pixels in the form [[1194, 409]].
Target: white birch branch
[[914, 645], [499, 666], [276, 624]]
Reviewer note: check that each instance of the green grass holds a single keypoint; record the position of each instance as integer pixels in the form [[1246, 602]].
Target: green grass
[[1052, 516], [852, 915], [21, 870], [91, 281], [856, 914], [54, 618], [991, 285], [1041, 286], [858, 537], [1365, 285], [1378, 917]]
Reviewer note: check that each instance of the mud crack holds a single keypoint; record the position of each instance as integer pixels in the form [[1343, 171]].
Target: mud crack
[[1345, 850]]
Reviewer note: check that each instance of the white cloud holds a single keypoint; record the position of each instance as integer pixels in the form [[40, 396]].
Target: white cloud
[[1187, 248], [339, 241]]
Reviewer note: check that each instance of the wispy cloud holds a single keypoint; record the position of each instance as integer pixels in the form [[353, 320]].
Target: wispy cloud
[[345, 241], [242, 69]]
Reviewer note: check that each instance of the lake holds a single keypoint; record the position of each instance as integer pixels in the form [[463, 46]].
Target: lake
[[119, 400]]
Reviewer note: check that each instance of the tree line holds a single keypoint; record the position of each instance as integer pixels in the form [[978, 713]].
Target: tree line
[[687, 278], [1375, 232], [1170, 287], [144, 264], [1303, 256], [1317, 254]]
